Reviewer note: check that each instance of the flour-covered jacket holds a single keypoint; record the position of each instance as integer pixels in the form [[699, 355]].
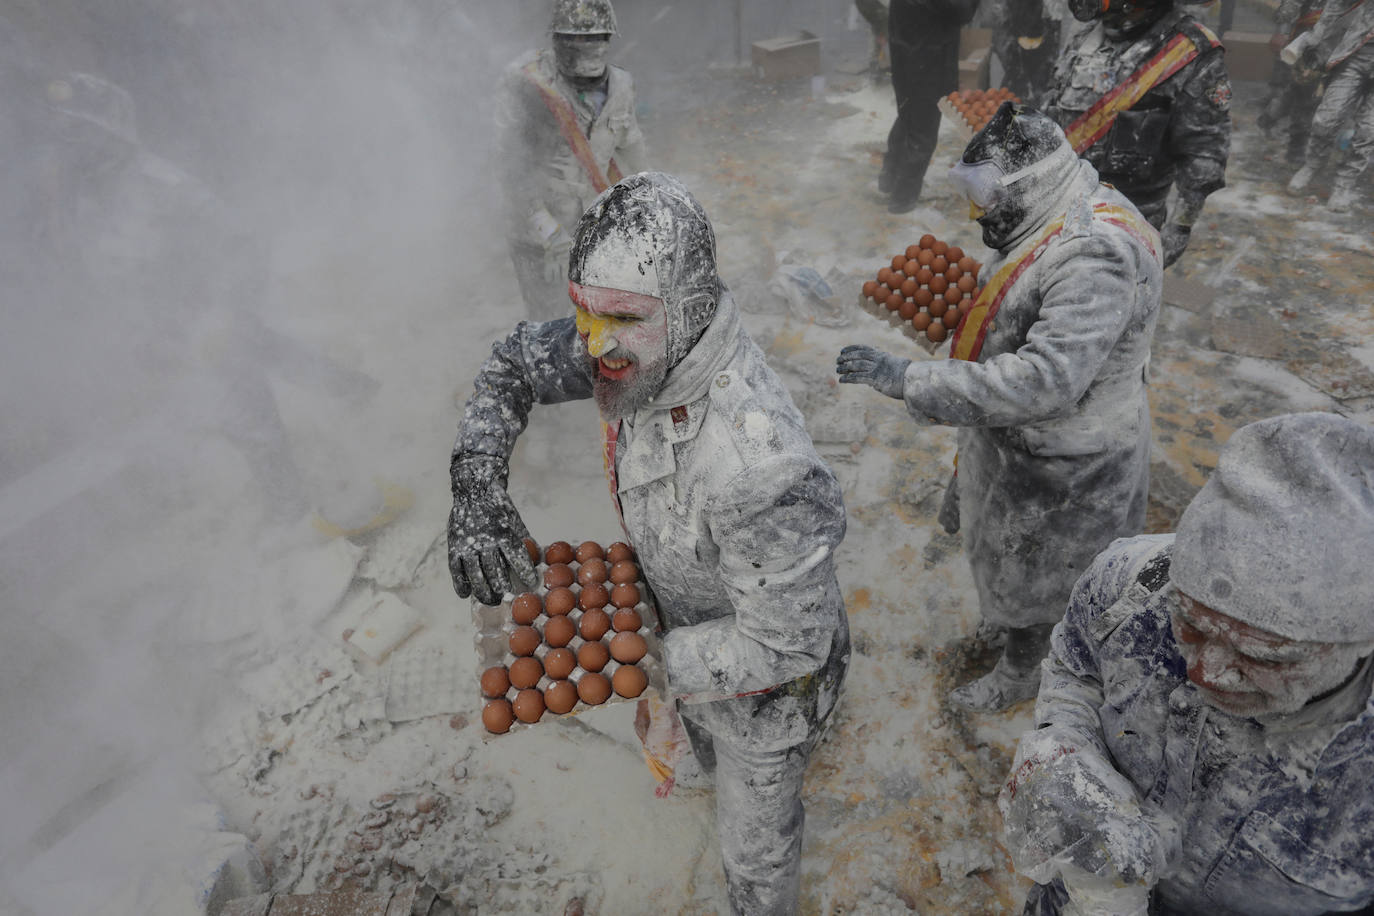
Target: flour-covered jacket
[[734, 516], [1344, 28], [545, 184], [1275, 823], [1055, 432]]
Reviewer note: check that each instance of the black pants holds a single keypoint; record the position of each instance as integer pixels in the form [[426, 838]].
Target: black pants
[[925, 67]]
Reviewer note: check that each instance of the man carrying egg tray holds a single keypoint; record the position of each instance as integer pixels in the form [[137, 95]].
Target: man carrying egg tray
[[566, 131], [1045, 382], [1143, 94], [733, 515], [1204, 740]]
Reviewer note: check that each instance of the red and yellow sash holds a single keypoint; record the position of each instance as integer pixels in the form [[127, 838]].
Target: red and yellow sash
[[566, 119], [1089, 127], [610, 435], [973, 329]]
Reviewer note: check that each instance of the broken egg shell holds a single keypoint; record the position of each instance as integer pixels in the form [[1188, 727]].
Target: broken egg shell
[[628, 647], [497, 716], [629, 681], [526, 672]]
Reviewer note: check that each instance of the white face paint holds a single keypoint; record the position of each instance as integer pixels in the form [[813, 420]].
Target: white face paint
[[1246, 671], [626, 336], [581, 57]]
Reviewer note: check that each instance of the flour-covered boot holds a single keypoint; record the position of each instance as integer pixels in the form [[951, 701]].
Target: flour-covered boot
[[999, 689], [1297, 185], [1342, 196]]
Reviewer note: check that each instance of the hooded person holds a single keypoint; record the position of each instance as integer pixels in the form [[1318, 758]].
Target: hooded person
[[1204, 739], [733, 515], [1045, 382], [566, 130], [1342, 48], [1143, 95]]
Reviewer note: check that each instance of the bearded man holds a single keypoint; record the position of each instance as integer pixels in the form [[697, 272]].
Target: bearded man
[[734, 516]]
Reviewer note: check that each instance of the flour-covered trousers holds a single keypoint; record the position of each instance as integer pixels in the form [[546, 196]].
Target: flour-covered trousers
[[759, 747], [1349, 95]]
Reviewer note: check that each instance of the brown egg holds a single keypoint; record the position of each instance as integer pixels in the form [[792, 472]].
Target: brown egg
[[625, 595], [898, 260], [495, 681], [938, 284], [920, 321], [593, 656], [532, 549], [912, 251], [937, 308], [593, 596], [559, 663], [869, 287], [560, 697], [525, 672], [936, 332], [884, 275], [559, 601], [592, 572], [927, 240], [626, 619], [497, 716], [524, 641], [966, 283], [967, 264], [939, 264], [628, 647], [594, 625], [593, 689], [629, 681], [952, 319], [559, 631], [559, 552], [954, 254], [894, 300], [909, 287], [923, 298], [881, 293], [906, 309], [619, 551], [923, 275], [953, 273], [528, 705], [939, 248], [925, 257], [559, 575], [588, 550], [526, 608], [623, 572], [911, 266]]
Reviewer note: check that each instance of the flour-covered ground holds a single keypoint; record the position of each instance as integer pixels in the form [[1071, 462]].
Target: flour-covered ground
[[332, 770]]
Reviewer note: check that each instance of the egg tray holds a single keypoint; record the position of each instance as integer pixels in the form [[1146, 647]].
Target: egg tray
[[968, 110], [874, 304], [495, 624]]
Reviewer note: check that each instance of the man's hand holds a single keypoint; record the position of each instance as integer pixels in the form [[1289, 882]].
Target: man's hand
[[858, 364], [1175, 238], [486, 551]]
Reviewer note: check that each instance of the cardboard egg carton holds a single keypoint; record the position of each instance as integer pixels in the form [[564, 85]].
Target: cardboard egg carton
[[970, 110], [494, 626], [915, 315]]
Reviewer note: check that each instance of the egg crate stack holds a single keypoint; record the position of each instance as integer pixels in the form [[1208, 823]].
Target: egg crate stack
[[924, 291], [584, 638], [969, 111]]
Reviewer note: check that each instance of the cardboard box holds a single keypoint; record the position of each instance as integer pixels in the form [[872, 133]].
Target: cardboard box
[[1248, 56], [975, 59], [787, 57]]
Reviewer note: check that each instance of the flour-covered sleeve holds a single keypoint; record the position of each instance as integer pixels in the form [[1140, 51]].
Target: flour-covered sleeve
[[777, 525], [1199, 138], [1087, 300], [522, 122], [539, 363], [630, 154]]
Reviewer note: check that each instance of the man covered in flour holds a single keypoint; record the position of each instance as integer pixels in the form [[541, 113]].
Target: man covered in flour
[[734, 516], [1205, 729], [1045, 382], [1142, 93], [567, 131]]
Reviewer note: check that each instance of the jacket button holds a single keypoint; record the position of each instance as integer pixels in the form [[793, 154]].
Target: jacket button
[[722, 380]]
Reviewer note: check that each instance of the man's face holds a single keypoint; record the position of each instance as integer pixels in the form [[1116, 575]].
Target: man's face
[[581, 56], [626, 336], [1246, 671]]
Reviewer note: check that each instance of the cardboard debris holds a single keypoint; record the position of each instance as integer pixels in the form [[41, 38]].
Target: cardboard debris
[[336, 903], [1193, 295], [386, 622], [426, 682], [787, 56]]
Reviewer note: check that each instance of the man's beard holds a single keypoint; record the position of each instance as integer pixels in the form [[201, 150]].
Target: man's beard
[[619, 398]]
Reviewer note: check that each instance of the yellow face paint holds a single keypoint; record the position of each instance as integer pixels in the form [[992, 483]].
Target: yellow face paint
[[975, 211], [599, 331]]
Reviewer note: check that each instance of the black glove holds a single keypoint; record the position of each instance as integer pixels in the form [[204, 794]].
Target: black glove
[[486, 550], [858, 364], [1175, 238]]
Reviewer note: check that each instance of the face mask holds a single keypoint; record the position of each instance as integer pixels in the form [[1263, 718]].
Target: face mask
[[986, 185], [581, 57]]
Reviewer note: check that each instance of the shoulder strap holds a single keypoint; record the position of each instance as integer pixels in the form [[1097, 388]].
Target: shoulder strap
[[566, 119]]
